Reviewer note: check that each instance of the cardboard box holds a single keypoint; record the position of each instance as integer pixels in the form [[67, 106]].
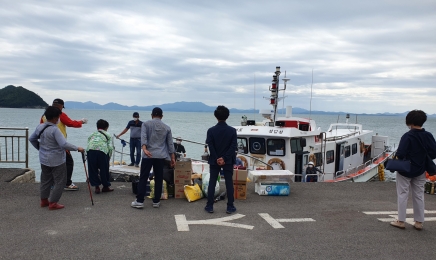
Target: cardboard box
[[240, 175], [185, 165], [271, 176], [179, 191], [182, 177], [272, 189], [240, 190]]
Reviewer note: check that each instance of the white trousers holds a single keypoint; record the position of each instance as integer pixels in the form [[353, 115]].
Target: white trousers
[[416, 185]]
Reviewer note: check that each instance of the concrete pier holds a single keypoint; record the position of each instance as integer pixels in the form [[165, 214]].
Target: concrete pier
[[317, 221]]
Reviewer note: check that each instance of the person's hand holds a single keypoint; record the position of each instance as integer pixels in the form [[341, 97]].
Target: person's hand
[[117, 136], [220, 161], [84, 120], [173, 162], [80, 149], [147, 152]]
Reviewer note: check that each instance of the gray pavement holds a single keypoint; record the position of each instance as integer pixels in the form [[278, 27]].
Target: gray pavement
[[112, 229]]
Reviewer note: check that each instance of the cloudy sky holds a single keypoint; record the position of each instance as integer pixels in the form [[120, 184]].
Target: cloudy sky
[[366, 56]]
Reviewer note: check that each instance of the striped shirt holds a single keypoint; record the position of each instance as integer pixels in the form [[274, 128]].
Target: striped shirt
[[52, 145], [157, 137]]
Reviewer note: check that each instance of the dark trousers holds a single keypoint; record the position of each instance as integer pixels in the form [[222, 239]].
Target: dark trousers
[[228, 174], [98, 164], [146, 165], [70, 166], [135, 144]]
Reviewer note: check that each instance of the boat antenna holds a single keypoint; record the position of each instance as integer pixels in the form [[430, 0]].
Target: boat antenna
[[254, 97], [283, 104], [310, 104]]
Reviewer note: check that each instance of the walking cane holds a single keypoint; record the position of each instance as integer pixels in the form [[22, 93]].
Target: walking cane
[[87, 178]]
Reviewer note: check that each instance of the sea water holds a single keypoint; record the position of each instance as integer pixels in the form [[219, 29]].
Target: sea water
[[188, 125]]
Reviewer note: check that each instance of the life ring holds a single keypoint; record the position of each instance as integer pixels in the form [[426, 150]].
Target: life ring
[[276, 160], [244, 161]]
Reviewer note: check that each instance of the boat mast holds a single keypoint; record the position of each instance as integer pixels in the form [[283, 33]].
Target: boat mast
[[275, 88]]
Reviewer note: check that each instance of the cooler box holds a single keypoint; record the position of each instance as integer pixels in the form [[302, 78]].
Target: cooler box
[[276, 176], [200, 167], [272, 189]]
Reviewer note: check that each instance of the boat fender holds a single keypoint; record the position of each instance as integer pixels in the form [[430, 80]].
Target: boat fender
[[276, 160]]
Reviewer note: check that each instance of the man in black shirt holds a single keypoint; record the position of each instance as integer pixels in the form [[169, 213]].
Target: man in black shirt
[[180, 149]]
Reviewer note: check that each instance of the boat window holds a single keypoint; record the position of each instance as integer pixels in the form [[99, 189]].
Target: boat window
[[354, 149], [276, 147], [330, 156], [305, 159], [257, 145], [242, 145], [347, 151], [296, 146], [318, 159]]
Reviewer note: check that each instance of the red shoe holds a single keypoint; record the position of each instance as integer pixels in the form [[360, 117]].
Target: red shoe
[[97, 189], [44, 203], [107, 189], [55, 205]]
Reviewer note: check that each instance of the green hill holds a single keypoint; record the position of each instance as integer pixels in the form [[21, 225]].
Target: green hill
[[19, 97]]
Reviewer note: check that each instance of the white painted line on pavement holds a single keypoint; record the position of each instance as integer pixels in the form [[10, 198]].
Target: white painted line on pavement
[[408, 211], [183, 224], [410, 221], [275, 223], [272, 221]]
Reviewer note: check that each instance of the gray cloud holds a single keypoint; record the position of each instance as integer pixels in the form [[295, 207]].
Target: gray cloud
[[367, 57]]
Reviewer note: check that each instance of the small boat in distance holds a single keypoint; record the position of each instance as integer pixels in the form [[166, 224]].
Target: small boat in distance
[[290, 143]]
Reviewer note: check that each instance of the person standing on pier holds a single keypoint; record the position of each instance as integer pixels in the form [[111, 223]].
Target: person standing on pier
[[65, 121], [414, 146], [99, 152], [52, 156], [135, 139], [157, 144], [222, 143]]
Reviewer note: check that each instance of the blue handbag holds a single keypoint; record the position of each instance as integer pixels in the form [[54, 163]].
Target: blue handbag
[[398, 165]]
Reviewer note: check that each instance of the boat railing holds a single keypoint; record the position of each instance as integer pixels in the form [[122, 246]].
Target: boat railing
[[304, 176], [360, 167], [14, 147], [335, 138]]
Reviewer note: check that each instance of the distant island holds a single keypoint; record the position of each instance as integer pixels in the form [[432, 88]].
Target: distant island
[[19, 97]]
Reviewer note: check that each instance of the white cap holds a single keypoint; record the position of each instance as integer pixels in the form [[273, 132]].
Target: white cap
[[310, 163]]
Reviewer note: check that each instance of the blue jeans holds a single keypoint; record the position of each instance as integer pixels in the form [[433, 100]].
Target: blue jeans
[[135, 144], [158, 165], [228, 174]]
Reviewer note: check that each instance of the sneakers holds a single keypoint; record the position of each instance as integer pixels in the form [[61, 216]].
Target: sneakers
[[137, 205], [230, 209], [209, 209], [71, 187], [398, 224], [156, 204], [131, 164], [418, 225], [107, 189], [97, 189], [44, 203], [55, 205]]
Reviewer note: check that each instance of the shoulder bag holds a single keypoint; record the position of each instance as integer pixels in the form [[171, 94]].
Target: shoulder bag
[[430, 166]]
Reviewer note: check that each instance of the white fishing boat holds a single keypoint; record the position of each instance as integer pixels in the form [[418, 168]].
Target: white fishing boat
[[345, 152]]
